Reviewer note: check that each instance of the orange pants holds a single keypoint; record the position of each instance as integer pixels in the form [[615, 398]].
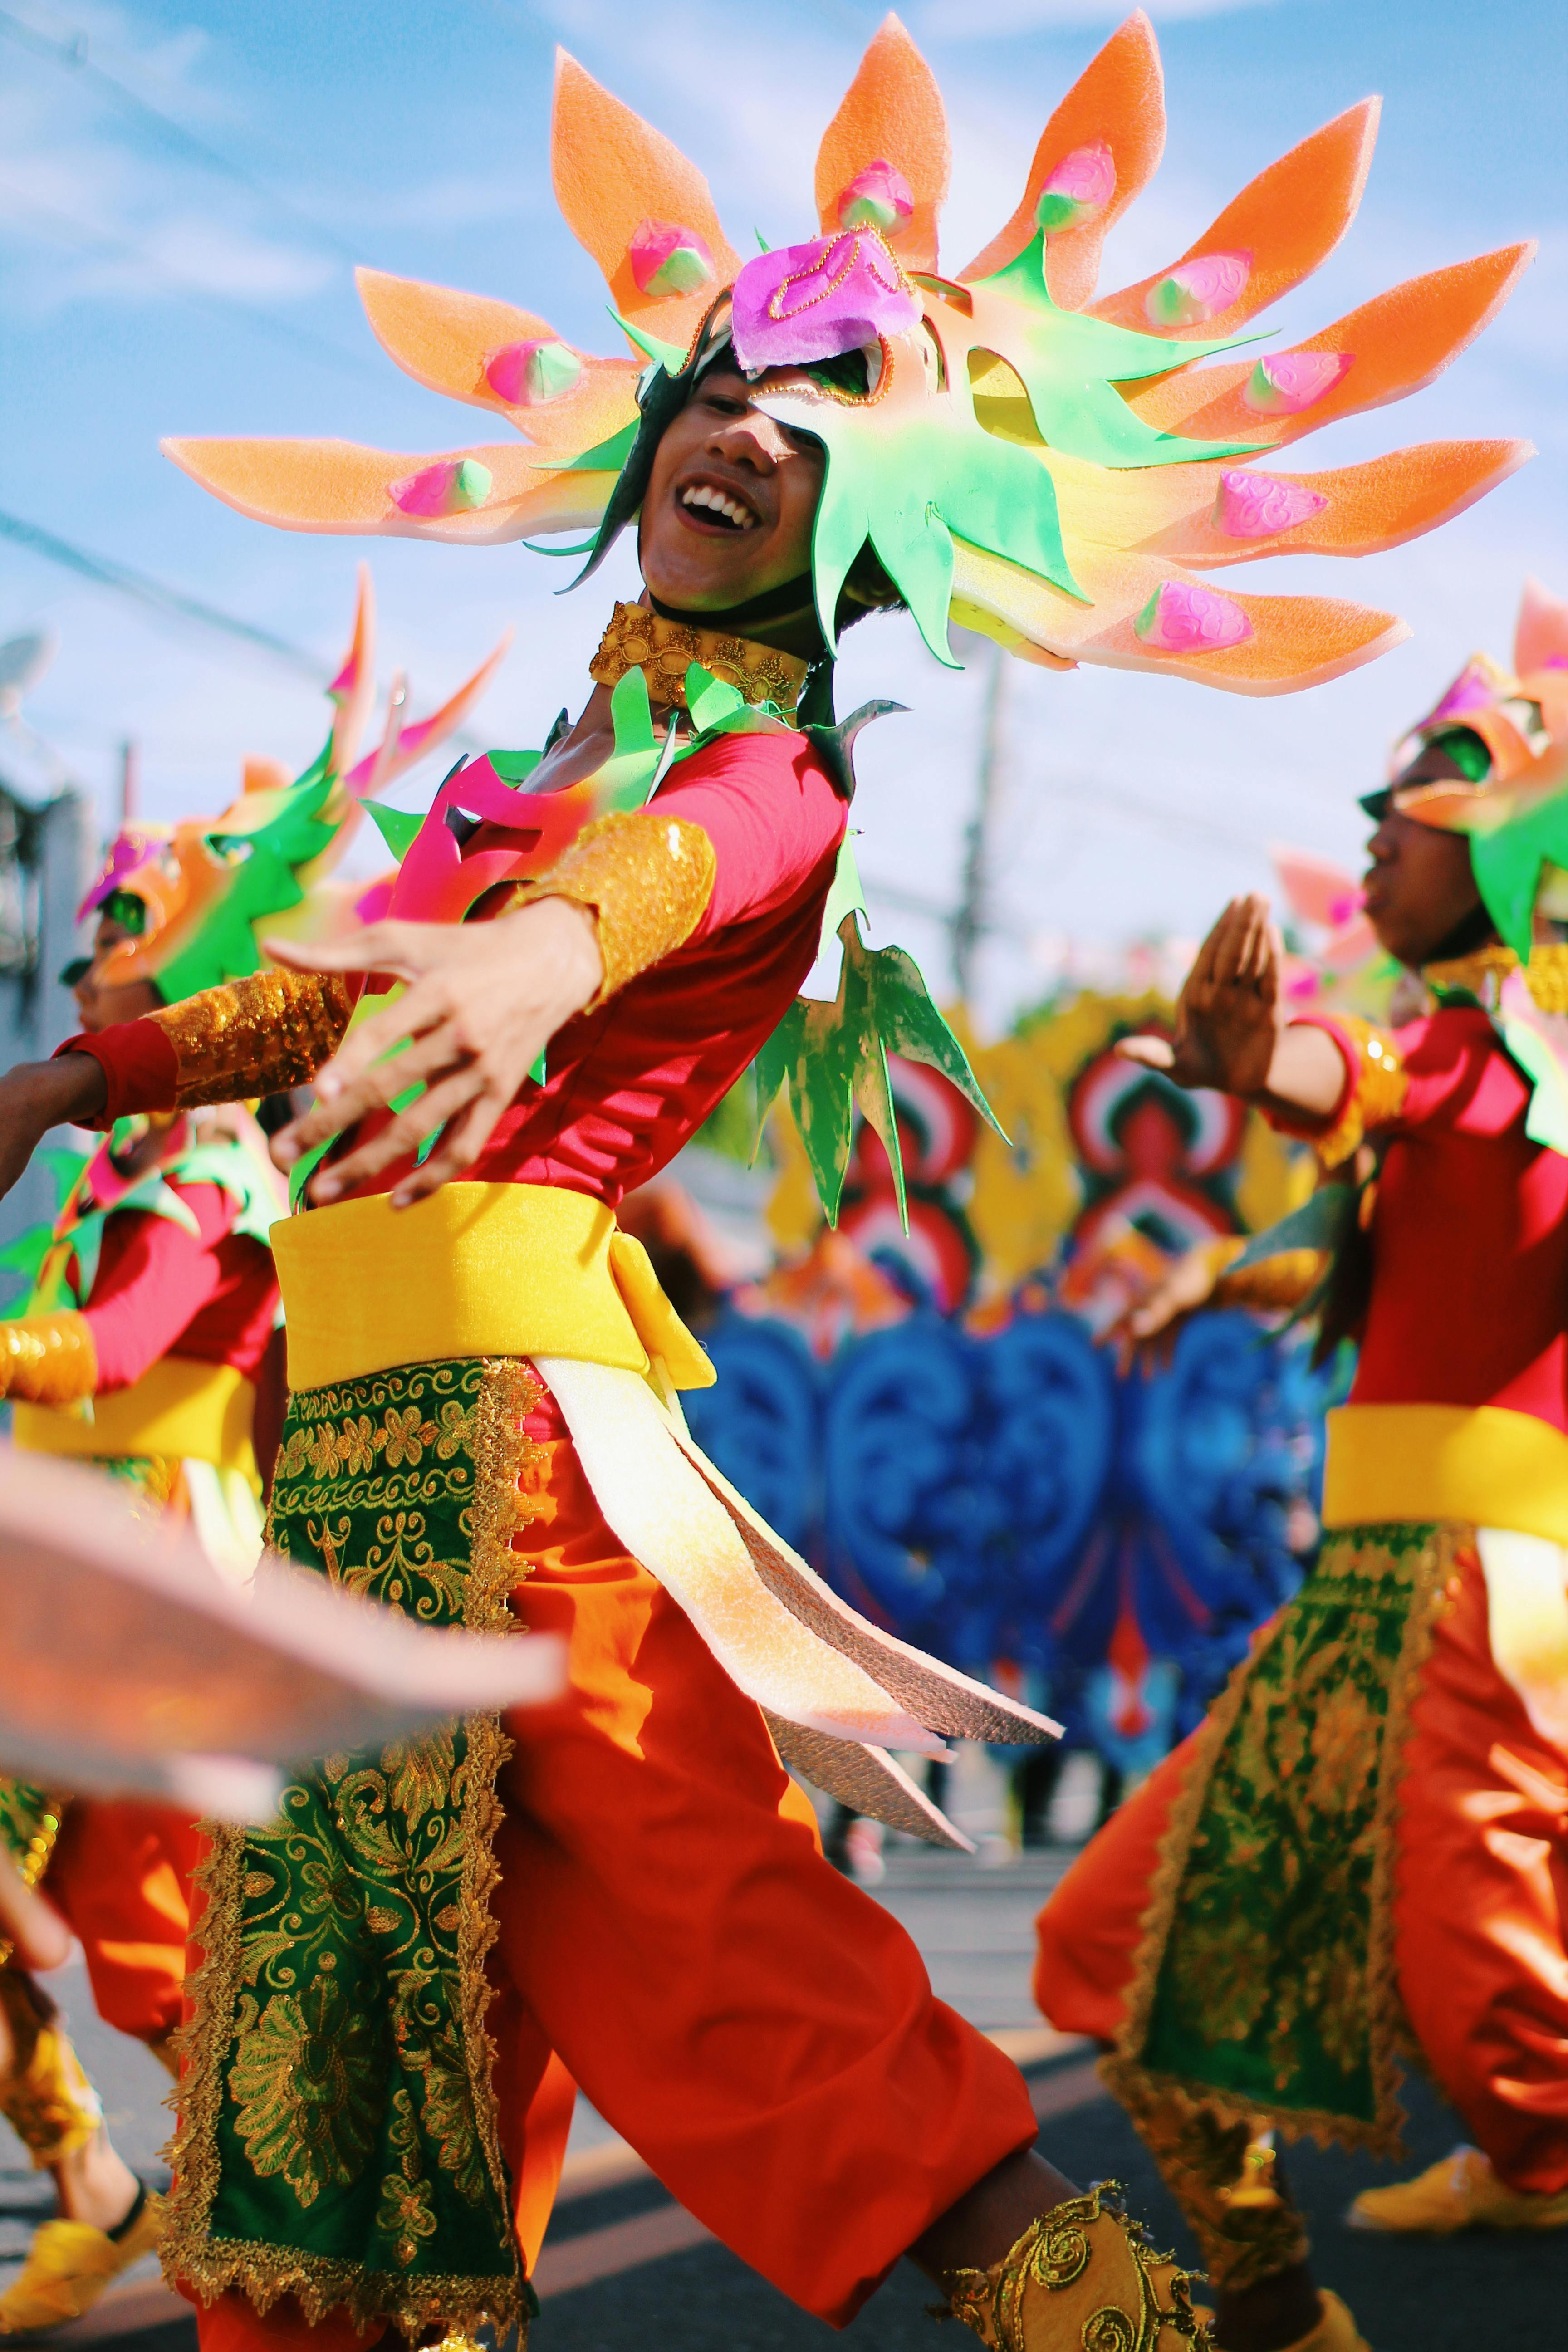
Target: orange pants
[[763, 2034], [120, 1873], [1481, 1909]]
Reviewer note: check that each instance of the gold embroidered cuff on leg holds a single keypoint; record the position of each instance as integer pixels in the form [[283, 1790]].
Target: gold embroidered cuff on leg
[[260, 1035], [47, 1359], [1222, 2173], [648, 878], [1083, 2275]]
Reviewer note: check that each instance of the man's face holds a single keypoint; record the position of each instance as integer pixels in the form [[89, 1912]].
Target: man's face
[[1420, 886], [101, 1007], [731, 502]]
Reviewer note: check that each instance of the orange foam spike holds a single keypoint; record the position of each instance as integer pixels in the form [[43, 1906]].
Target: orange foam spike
[[611, 171], [1541, 635], [446, 340], [1290, 218], [1171, 510], [892, 114], [1119, 98], [1296, 641], [340, 486], [356, 680], [1399, 341]]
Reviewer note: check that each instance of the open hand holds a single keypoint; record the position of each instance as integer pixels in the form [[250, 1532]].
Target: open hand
[[1229, 1016], [482, 1001], [1147, 1334]]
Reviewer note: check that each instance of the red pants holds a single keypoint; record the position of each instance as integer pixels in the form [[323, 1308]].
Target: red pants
[[760, 2031], [1480, 1904], [120, 1873]]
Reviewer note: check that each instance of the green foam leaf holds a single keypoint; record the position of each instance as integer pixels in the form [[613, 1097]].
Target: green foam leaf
[[397, 827], [1507, 863]]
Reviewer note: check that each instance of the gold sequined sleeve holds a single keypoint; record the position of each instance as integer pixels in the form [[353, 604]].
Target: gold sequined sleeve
[[647, 878], [260, 1035], [47, 1359], [1379, 1083]]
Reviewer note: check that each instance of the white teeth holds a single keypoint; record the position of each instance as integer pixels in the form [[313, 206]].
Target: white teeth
[[700, 495]]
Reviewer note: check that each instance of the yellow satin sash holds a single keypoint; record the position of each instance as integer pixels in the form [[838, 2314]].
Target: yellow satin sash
[[1482, 1465], [473, 1270], [202, 1412]]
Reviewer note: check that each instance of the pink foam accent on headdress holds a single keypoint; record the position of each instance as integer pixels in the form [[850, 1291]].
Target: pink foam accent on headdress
[[1473, 690], [130, 848], [1196, 290], [451, 485], [1289, 382], [1180, 618], [878, 197], [813, 301], [1256, 506], [668, 258], [1078, 190], [528, 374], [343, 684]]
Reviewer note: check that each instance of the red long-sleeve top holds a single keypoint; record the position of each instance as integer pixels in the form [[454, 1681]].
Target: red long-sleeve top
[[1469, 1233], [210, 1296], [630, 1082]]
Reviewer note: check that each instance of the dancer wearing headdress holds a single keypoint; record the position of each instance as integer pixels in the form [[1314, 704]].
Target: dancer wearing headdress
[[1359, 1854], [154, 1302], [485, 1375]]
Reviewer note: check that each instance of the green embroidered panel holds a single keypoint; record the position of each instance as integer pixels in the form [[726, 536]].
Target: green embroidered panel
[[339, 2137], [1270, 1988]]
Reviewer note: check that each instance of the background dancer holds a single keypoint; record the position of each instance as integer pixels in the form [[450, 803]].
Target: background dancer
[[475, 1361], [1366, 1838]]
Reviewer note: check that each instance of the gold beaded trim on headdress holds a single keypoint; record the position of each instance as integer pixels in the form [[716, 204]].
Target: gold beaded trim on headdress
[[664, 650]]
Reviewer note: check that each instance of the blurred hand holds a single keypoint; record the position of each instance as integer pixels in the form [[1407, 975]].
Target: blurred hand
[[1229, 1016], [1147, 1334], [481, 1003], [36, 1096]]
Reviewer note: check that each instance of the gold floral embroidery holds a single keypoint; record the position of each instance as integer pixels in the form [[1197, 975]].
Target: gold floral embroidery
[[338, 2044]]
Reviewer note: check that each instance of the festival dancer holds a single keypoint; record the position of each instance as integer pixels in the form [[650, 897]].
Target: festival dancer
[[484, 1413], [139, 1350], [1355, 1851]]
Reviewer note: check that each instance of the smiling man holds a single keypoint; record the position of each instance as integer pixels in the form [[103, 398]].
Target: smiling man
[[593, 944], [1364, 1844]]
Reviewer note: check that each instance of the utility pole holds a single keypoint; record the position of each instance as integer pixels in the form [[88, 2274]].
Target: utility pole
[[129, 781], [970, 923]]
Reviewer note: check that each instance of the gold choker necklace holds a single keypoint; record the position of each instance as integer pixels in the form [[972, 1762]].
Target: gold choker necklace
[[664, 650], [1483, 972]]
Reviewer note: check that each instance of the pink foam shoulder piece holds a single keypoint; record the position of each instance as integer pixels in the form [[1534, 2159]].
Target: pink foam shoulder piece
[[1256, 506], [479, 830], [530, 374], [1078, 190], [668, 258], [812, 302], [452, 486], [1196, 290], [878, 197], [1289, 382], [1181, 618]]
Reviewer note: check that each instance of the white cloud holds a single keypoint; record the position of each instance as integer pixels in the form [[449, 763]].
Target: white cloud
[[962, 20]]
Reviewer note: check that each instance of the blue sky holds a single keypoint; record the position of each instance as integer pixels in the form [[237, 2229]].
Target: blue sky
[[146, 291]]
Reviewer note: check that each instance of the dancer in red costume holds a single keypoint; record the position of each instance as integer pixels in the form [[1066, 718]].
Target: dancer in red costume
[[1365, 1841], [484, 1416]]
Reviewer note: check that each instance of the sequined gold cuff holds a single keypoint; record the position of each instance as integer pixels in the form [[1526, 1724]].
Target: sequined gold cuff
[[1276, 1284], [1376, 1097], [47, 1359], [255, 1036], [647, 877], [1081, 2275]]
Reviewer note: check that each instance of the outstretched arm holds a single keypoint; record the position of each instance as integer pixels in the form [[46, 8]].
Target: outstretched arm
[[1231, 1027]]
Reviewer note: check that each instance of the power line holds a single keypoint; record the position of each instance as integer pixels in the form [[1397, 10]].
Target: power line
[[143, 590], [72, 56], [203, 298]]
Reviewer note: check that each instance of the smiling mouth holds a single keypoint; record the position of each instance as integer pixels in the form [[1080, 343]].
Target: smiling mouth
[[716, 508]]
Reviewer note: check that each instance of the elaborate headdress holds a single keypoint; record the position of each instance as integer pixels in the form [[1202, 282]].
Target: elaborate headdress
[[1507, 732], [1049, 468], [198, 895]]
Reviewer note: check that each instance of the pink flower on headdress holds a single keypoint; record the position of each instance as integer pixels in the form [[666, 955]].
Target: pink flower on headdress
[[813, 301], [1183, 618]]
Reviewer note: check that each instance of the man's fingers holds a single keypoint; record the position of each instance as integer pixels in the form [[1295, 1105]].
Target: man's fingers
[[405, 948], [404, 1133], [1154, 1053], [454, 1154]]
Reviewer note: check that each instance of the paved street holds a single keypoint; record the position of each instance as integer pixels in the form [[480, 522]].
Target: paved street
[[624, 2268]]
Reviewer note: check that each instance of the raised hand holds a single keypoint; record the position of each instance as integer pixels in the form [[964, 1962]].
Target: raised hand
[[1228, 1016], [482, 1002]]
